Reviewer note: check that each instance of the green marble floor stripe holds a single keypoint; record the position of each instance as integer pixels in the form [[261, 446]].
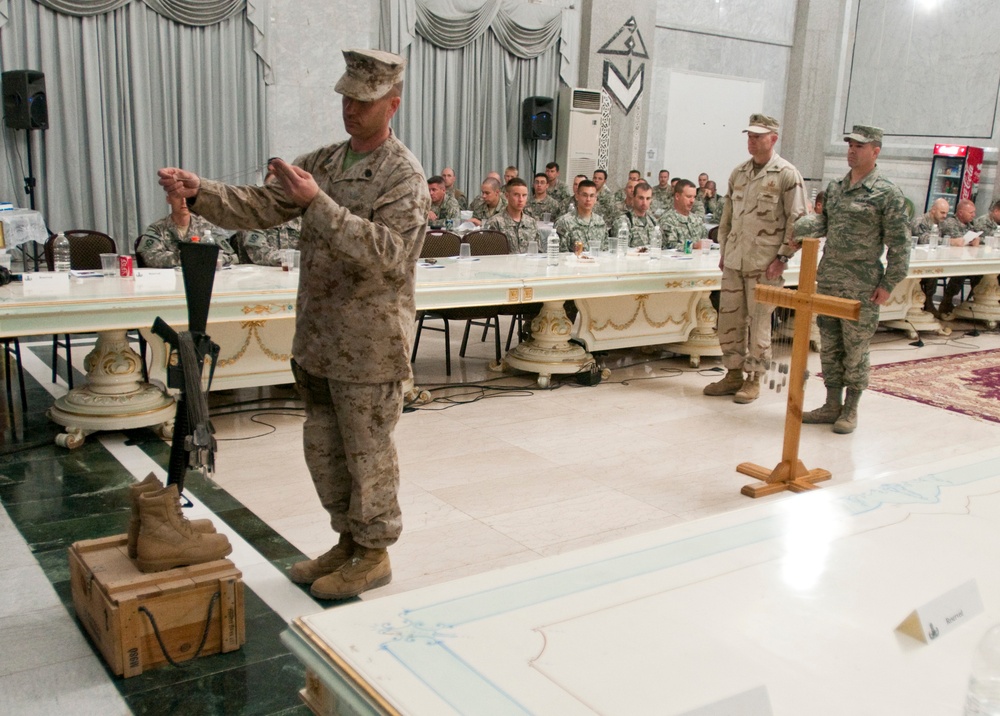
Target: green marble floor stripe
[[56, 497]]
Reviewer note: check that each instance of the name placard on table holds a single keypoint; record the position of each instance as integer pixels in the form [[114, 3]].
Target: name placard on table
[[939, 616], [47, 283], [153, 279]]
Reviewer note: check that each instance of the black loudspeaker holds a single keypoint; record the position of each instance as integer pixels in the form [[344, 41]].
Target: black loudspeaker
[[24, 105], [536, 117]]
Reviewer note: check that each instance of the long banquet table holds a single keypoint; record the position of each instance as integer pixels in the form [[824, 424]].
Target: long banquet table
[[623, 302]]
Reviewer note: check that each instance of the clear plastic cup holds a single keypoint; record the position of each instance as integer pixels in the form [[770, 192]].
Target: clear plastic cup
[[109, 265]]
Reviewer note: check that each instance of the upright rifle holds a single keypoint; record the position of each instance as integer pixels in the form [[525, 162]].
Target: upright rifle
[[193, 445]]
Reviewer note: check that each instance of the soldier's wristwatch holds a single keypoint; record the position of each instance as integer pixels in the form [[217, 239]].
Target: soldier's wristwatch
[[783, 259]]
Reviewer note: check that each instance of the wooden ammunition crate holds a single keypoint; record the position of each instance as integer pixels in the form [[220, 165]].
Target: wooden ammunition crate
[[118, 606]]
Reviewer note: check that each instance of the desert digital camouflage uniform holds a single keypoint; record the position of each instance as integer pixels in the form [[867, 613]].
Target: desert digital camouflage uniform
[[160, 244], [677, 228], [985, 224], [663, 199], [482, 212], [264, 247], [457, 194], [921, 227], [354, 319], [549, 205], [571, 228], [447, 209], [518, 233], [757, 225], [952, 228], [640, 228], [859, 223]]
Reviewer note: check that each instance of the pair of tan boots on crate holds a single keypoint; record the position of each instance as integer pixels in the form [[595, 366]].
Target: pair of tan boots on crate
[[160, 537]]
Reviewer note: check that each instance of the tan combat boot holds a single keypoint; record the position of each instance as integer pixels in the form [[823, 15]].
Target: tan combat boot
[[749, 391], [151, 484], [828, 412], [729, 385], [848, 419], [366, 569], [166, 539], [310, 570]]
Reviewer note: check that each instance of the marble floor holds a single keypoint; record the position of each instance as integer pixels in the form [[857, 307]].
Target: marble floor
[[495, 472]]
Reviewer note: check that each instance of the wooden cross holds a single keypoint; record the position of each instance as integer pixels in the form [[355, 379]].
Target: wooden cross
[[790, 473]]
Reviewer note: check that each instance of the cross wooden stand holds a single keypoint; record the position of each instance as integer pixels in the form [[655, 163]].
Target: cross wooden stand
[[790, 473]]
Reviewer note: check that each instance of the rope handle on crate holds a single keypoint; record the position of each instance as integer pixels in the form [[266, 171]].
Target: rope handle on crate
[[204, 635]]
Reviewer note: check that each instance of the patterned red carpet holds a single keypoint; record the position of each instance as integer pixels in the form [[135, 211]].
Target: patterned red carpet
[[967, 384]]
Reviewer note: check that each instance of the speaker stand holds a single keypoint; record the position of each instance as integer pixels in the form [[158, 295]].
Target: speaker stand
[[29, 189]]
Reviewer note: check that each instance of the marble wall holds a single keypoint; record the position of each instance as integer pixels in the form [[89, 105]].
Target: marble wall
[[926, 74], [307, 39], [924, 68], [606, 33], [728, 39]]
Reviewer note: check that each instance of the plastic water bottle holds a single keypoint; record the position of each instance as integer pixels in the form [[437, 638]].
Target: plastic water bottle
[[656, 243], [983, 698], [935, 237], [208, 238], [553, 249], [622, 240], [61, 253]]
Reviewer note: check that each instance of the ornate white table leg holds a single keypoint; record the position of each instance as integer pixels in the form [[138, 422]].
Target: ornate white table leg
[[704, 338], [114, 398], [548, 352], [985, 302], [905, 310]]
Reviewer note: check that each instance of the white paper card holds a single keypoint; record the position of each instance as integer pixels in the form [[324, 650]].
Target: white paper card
[[971, 236], [147, 279], [754, 702], [45, 282], [939, 616]]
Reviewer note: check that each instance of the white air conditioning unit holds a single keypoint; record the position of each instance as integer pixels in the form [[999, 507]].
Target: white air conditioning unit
[[579, 130]]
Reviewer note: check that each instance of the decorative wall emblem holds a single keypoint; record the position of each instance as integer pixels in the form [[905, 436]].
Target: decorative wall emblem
[[625, 86]]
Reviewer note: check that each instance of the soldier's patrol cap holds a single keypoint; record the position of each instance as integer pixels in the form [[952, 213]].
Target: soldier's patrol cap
[[865, 134], [762, 124], [370, 74]]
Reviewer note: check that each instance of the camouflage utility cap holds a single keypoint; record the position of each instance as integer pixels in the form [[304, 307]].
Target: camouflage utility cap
[[864, 134], [370, 74], [762, 124]]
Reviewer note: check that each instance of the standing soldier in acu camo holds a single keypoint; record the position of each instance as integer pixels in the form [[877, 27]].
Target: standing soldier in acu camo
[[764, 199], [364, 206], [864, 215]]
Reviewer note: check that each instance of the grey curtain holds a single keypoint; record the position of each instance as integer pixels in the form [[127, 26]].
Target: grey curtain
[[471, 63], [189, 12], [130, 90]]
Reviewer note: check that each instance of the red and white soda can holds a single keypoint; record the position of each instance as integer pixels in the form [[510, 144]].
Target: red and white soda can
[[126, 266]]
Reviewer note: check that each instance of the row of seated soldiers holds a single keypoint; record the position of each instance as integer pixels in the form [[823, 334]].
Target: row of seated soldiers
[[159, 245], [549, 198], [582, 225], [952, 230]]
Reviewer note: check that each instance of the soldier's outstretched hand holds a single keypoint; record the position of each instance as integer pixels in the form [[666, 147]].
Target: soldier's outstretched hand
[[297, 183], [179, 183]]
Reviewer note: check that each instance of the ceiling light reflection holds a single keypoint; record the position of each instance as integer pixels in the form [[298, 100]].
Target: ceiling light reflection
[[812, 525]]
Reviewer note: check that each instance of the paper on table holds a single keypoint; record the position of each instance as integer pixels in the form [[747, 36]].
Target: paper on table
[[971, 236]]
